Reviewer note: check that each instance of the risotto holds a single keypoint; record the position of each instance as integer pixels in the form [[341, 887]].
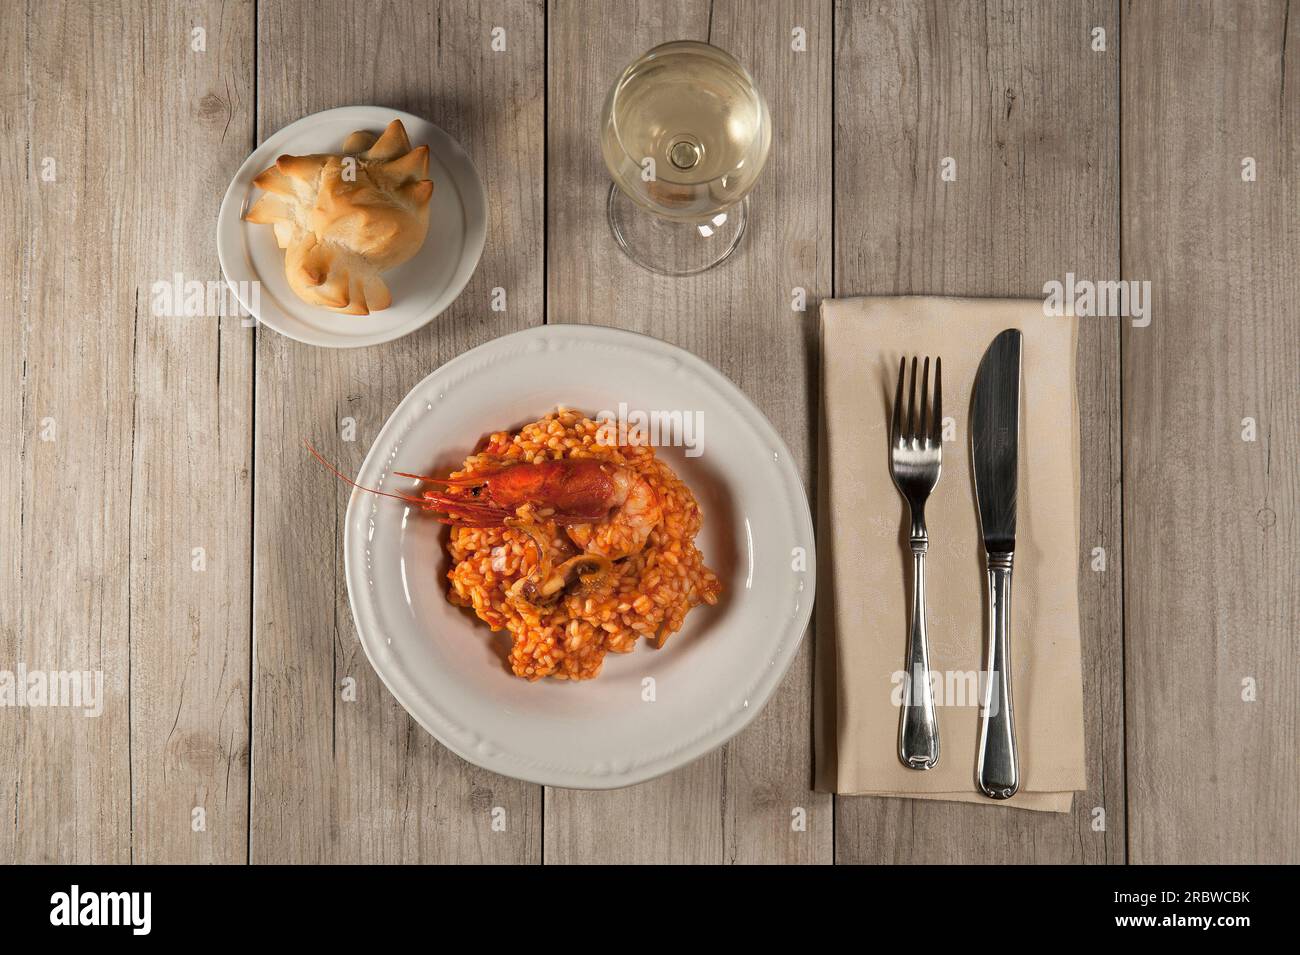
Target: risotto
[[568, 585]]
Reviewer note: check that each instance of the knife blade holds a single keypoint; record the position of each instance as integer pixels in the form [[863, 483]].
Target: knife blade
[[995, 444], [995, 440]]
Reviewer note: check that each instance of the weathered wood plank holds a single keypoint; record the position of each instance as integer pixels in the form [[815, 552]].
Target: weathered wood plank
[[360, 781], [734, 805], [191, 492], [67, 602], [15, 242], [1014, 94], [1212, 540]]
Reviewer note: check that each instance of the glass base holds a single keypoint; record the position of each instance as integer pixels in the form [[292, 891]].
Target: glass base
[[669, 247]]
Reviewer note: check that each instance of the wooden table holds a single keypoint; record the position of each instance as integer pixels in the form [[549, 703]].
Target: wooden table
[[131, 440]]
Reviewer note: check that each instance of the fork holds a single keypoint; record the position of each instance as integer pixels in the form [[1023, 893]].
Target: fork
[[915, 460]]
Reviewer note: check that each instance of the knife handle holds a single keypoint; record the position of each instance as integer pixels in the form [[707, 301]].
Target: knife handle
[[918, 725], [997, 769]]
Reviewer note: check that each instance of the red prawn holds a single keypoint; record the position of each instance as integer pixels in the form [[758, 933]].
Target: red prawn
[[575, 490]]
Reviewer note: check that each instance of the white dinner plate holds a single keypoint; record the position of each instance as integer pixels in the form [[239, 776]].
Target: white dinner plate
[[422, 288], [651, 710]]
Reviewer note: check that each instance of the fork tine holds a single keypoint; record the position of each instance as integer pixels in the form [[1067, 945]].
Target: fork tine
[[911, 405], [894, 428], [923, 423], [936, 428]]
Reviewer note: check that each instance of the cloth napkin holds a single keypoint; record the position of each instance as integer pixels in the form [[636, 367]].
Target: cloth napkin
[[863, 592]]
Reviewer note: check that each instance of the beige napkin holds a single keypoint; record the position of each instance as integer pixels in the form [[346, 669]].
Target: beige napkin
[[865, 563]]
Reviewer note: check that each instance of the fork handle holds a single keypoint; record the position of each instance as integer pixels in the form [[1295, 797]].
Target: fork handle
[[918, 726], [997, 769]]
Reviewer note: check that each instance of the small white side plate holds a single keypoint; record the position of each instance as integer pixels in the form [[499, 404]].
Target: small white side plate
[[422, 288], [649, 711]]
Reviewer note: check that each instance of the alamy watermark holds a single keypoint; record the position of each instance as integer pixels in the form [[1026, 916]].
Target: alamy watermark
[[73, 689], [179, 297], [1088, 299], [947, 688], [128, 909], [632, 426]]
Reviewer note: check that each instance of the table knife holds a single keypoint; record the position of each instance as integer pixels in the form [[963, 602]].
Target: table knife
[[995, 438]]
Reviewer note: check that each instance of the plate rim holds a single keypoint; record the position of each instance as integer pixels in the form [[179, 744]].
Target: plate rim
[[794, 627], [227, 218]]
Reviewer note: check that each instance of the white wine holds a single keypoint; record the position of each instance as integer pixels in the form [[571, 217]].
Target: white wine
[[685, 135], [685, 132]]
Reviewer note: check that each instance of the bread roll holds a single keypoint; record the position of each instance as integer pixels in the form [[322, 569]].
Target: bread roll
[[344, 219]]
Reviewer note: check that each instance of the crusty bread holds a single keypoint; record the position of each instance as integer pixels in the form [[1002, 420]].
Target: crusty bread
[[343, 219]]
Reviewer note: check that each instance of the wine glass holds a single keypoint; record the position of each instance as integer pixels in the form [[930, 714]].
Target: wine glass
[[685, 133]]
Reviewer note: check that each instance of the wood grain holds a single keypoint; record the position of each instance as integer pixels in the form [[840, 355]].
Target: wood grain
[[192, 441], [1212, 540], [15, 231], [135, 437], [168, 421], [68, 776], [735, 805], [360, 781], [1016, 96]]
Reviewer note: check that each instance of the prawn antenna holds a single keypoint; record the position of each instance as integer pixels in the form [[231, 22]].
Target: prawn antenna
[[347, 480]]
